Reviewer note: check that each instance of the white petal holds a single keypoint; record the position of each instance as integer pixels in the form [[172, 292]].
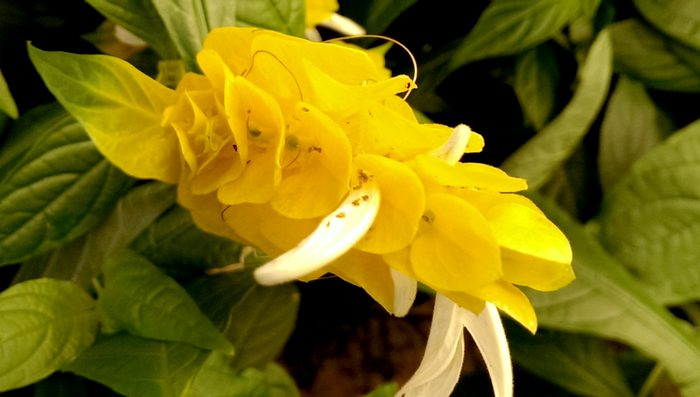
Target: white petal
[[343, 25], [405, 289], [452, 150], [334, 236], [439, 371], [487, 331]]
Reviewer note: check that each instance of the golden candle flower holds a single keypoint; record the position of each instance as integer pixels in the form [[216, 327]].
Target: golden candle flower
[[305, 151]]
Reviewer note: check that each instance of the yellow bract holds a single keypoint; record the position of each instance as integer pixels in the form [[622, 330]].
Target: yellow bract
[[278, 133]]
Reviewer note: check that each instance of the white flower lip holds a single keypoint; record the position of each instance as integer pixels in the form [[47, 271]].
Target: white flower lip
[[439, 371], [490, 338], [334, 236]]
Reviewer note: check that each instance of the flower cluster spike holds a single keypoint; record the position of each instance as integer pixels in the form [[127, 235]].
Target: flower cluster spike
[[306, 151]]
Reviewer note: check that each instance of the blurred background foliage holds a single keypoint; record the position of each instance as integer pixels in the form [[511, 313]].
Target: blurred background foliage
[[595, 102]]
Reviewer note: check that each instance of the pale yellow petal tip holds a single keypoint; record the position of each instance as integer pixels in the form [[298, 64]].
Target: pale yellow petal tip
[[335, 235], [456, 145], [405, 290], [343, 25]]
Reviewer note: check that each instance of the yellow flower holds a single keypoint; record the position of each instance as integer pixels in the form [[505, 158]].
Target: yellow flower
[[305, 151]]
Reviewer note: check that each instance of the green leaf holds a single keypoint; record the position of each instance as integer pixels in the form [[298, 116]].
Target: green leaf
[[537, 159], [7, 104], [256, 319], [286, 16], [186, 24], [141, 18], [26, 131], [381, 13], [90, 85], [60, 189], [657, 61], [580, 364], [606, 301], [217, 378], [177, 246], [631, 127], [81, 260], [137, 367], [44, 324], [509, 26], [677, 18], [139, 298], [650, 221], [385, 390], [535, 84]]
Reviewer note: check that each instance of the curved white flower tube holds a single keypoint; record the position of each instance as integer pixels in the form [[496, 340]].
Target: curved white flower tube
[[334, 236], [439, 370]]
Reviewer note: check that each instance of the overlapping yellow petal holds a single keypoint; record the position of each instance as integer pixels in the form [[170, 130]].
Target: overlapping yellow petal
[[387, 132], [507, 298], [316, 165], [466, 175], [401, 206], [535, 252], [257, 124], [455, 249]]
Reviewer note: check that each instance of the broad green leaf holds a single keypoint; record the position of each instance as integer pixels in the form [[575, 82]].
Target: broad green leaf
[[631, 127], [44, 324], [175, 244], [81, 260], [139, 298], [186, 24], [538, 158], [91, 86], [509, 26], [60, 189], [217, 378], [584, 365], [286, 16], [141, 18], [648, 56], [650, 221], [137, 367], [535, 84], [677, 18], [256, 319], [26, 131], [606, 301], [7, 103], [385, 390]]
